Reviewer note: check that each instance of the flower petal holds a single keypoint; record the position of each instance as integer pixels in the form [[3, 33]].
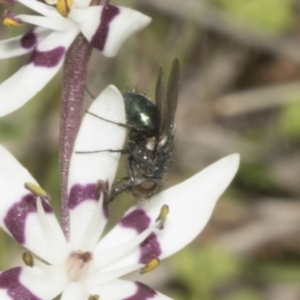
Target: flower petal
[[108, 27], [27, 283], [125, 290], [106, 258], [87, 168], [81, 3], [22, 44], [45, 62], [18, 212], [75, 291], [41, 8], [101, 278], [191, 204], [57, 24]]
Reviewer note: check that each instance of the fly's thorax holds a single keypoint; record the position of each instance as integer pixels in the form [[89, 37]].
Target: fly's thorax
[[142, 116], [144, 158]]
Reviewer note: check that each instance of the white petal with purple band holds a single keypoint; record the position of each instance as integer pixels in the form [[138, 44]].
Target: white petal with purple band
[[22, 44], [105, 27], [191, 204], [18, 212], [28, 283], [121, 289], [45, 61], [87, 168], [84, 266], [110, 31]]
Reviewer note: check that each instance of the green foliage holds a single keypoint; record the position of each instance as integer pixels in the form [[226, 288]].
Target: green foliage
[[257, 178], [245, 294], [289, 121], [201, 269], [271, 15], [279, 272], [10, 251]]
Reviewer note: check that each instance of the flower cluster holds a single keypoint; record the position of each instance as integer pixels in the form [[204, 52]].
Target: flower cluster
[[88, 266], [106, 27], [85, 264]]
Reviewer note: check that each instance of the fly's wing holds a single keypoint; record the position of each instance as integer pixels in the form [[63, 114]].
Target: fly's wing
[[161, 103], [167, 106], [172, 97]]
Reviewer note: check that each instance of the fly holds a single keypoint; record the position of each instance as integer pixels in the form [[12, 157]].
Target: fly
[[150, 140]]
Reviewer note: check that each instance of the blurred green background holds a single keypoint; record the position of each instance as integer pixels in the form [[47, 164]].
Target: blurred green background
[[240, 92]]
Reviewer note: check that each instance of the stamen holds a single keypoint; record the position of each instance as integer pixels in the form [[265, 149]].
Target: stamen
[[52, 236], [103, 277], [9, 19], [28, 258], [64, 6], [150, 266], [36, 190], [109, 256], [94, 229], [94, 297], [161, 219]]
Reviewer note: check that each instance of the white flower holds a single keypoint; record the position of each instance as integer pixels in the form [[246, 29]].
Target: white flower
[[88, 266], [105, 27]]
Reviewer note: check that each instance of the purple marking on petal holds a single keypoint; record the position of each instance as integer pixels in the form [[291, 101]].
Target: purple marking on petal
[[150, 248], [29, 40], [80, 193], [98, 40], [16, 216], [143, 292], [139, 221], [9, 280], [48, 59]]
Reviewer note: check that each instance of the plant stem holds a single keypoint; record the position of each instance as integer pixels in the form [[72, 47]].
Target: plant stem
[[74, 83]]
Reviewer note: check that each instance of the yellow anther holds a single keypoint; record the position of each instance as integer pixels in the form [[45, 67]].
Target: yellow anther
[[164, 211], [64, 6], [150, 266], [9, 19], [28, 259], [36, 190], [94, 297]]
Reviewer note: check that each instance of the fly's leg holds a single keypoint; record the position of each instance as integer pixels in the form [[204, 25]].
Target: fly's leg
[[122, 151], [130, 168], [109, 121], [125, 184], [122, 185]]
